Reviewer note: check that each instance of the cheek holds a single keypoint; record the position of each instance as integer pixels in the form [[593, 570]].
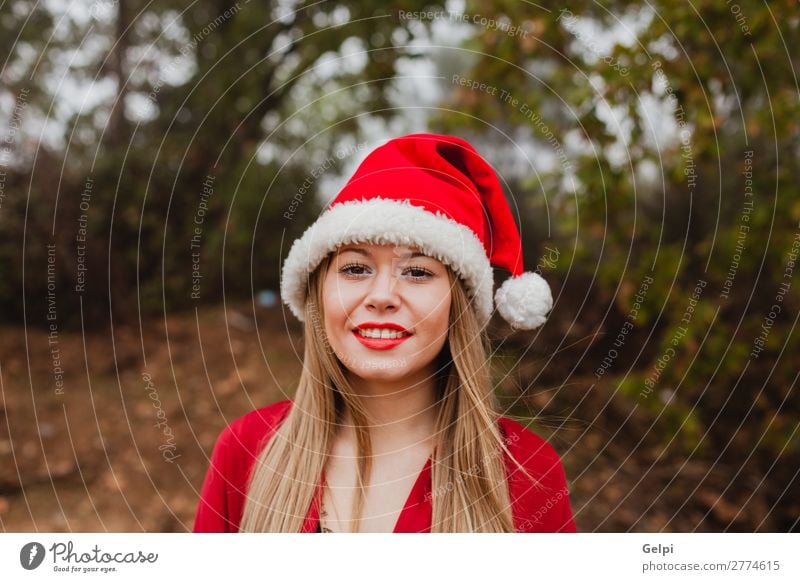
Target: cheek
[[337, 304], [438, 311]]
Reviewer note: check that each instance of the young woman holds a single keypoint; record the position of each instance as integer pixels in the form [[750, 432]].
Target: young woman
[[394, 427]]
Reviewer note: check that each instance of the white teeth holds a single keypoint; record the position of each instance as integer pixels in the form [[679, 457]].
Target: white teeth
[[381, 333]]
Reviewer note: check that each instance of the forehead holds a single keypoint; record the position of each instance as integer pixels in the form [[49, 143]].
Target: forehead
[[372, 251]]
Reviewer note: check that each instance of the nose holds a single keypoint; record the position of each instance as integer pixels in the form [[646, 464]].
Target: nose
[[382, 294]]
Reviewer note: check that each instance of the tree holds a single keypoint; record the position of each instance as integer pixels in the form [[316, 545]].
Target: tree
[[190, 170], [679, 125]]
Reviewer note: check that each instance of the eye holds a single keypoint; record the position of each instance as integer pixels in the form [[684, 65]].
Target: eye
[[357, 270], [354, 269], [419, 273]]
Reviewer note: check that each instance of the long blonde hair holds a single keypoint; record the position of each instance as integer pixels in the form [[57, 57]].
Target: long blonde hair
[[469, 489]]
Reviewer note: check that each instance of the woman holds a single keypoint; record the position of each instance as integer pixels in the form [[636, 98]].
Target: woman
[[394, 425]]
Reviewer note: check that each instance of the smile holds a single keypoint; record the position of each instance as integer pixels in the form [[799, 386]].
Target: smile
[[380, 339], [382, 333]]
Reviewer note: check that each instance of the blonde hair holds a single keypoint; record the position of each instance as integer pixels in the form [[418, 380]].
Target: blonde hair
[[469, 490]]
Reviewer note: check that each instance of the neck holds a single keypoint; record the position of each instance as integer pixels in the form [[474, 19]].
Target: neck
[[402, 413]]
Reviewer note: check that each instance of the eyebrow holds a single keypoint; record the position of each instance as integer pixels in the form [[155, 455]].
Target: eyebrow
[[366, 253]]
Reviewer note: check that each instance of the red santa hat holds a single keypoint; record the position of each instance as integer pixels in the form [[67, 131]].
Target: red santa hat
[[436, 193]]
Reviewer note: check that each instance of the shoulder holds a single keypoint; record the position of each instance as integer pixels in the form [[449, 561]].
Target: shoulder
[[527, 447], [240, 443], [251, 431], [538, 490], [225, 485], [260, 420]]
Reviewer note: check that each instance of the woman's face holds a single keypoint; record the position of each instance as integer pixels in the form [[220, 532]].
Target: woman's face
[[386, 310]]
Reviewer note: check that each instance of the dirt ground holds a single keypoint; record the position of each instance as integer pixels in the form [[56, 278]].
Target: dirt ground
[[124, 446]]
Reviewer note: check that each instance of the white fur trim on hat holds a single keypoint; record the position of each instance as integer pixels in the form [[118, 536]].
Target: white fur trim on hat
[[386, 221], [524, 301]]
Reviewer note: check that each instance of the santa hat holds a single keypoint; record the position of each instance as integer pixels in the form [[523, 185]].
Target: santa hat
[[436, 193]]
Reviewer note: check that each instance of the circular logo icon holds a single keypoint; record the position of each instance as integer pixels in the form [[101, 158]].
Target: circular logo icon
[[31, 555]]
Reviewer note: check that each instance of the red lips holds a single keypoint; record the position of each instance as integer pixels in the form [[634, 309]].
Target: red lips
[[384, 325], [378, 343]]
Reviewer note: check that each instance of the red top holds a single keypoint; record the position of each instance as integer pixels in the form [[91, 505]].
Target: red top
[[535, 508]]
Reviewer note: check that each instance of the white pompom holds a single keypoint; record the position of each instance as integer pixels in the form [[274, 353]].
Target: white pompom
[[524, 301]]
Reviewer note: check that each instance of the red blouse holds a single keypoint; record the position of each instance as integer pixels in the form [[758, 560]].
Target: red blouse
[[535, 508]]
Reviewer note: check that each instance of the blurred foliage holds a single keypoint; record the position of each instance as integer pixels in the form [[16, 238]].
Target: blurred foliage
[[637, 197], [255, 95]]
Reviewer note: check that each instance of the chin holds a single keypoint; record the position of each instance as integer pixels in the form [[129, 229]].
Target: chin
[[380, 370]]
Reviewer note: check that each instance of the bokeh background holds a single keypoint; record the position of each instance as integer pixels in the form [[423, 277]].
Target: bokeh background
[[157, 159]]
